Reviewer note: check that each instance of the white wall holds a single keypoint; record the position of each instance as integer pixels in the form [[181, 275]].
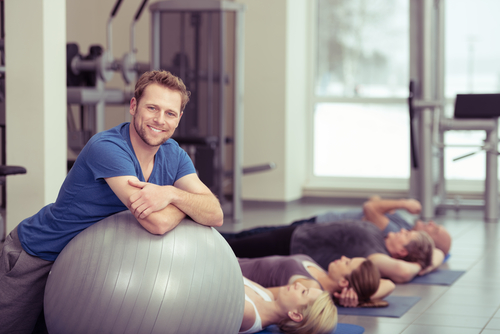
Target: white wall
[[275, 98]]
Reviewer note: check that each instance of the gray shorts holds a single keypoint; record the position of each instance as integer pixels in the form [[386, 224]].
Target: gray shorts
[[22, 285]]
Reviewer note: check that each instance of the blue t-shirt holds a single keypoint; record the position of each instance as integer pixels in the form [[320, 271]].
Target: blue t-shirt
[[85, 197]]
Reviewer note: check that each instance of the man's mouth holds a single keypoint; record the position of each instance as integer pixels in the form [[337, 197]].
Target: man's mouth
[[155, 129]]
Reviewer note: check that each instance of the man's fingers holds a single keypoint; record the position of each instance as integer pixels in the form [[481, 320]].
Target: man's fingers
[[145, 213]]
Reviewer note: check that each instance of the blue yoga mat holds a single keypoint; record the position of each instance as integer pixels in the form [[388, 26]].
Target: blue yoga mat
[[398, 305], [438, 277], [341, 329]]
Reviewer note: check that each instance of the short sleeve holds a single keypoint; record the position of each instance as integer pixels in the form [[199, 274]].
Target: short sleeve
[[106, 159], [186, 166]]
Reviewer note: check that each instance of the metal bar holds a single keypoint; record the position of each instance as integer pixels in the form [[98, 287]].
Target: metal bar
[[491, 180], [238, 118], [90, 95], [155, 40], [426, 115], [109, 26], [210, 77], [222, 116], [447, 124]]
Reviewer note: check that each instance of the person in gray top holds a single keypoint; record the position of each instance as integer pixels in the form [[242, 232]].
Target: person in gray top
[[382, 213]]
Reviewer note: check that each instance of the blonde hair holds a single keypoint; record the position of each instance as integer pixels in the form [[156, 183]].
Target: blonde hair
[[318, 317], [165, 79]]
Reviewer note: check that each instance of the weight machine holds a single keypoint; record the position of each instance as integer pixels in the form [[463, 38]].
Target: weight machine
[[428, 123]]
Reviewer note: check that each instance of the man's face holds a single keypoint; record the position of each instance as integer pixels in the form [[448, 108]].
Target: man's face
[[157, 114], [438, 233], [396, 242]]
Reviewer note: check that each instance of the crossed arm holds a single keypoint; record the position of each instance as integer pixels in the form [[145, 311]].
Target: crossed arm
[[161, 208]]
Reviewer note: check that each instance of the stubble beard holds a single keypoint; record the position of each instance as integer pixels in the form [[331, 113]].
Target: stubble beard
[[143, 135]]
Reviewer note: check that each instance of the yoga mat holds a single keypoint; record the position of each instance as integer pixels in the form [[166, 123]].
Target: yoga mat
[[341, 329], [398, 305], [438, 277]]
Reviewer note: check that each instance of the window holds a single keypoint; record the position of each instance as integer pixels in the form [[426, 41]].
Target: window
[[472, 65], [361, 123], [361, 64]]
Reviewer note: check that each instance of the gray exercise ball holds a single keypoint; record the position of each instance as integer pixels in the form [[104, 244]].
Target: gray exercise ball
[[116, 277]]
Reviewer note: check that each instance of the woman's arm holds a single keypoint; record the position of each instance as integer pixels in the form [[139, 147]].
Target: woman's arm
[[385, 288], [396, 270]]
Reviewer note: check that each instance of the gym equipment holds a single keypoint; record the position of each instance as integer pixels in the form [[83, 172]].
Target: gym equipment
[[129, 66], [428, 124], [472, 112], [202, 42], [116, 277], [86, 76]]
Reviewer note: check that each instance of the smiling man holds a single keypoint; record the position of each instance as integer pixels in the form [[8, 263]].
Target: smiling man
[[135, 166]]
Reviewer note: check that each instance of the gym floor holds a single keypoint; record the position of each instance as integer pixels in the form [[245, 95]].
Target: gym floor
[[470, 306]]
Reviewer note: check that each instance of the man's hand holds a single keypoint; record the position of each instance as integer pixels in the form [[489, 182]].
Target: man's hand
[[150, 198], [347, 298], [437, 260], [413, 206]]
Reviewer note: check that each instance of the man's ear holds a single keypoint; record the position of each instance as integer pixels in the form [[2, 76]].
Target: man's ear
[[295, 316], [343, 283], [402, 253], [133, 106]]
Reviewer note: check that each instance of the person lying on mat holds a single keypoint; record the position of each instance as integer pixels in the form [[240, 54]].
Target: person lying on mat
[[352, 282], [399, 256], [295, 308], [381, 212]]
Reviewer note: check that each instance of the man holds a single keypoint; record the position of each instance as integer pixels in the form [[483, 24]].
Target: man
[[381, 212], [133, 166]]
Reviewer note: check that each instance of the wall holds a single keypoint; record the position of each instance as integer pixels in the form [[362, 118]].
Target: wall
[[35, 104], [275, 98]]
